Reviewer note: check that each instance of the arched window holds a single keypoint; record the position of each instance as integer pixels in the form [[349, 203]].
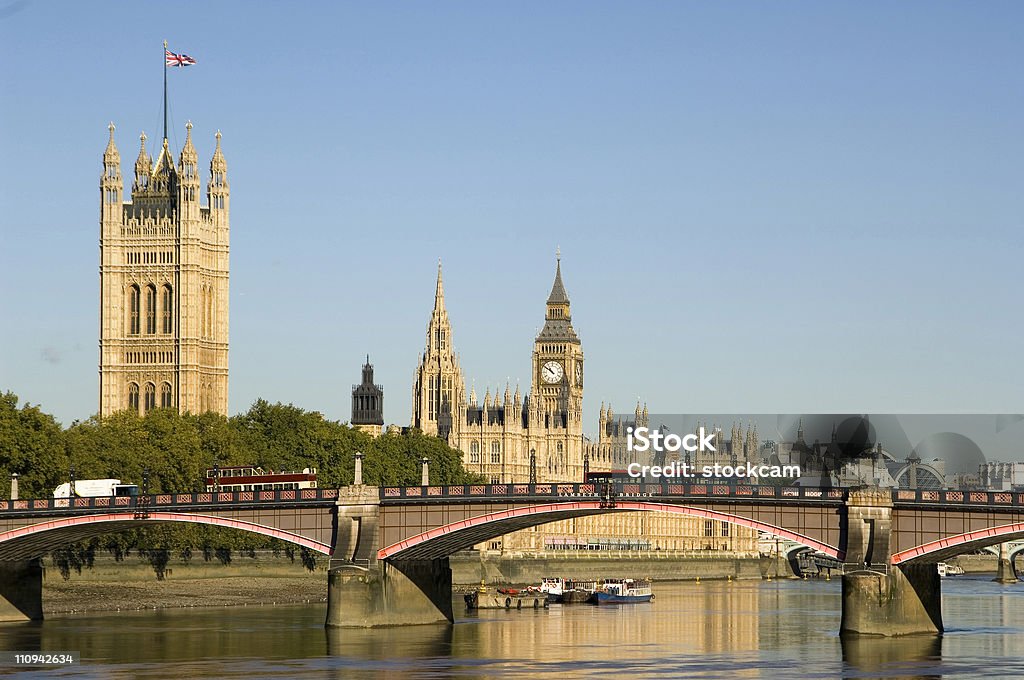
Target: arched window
[[151, 309], [209, 312], [474, 452], [133, 397], [165, 395], [202, 312], [134, 303], [495, 452], [150, 398], [168, 309]]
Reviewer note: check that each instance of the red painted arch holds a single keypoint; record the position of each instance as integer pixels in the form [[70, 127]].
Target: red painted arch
[[620, 506], [212, 520], [981, 538]]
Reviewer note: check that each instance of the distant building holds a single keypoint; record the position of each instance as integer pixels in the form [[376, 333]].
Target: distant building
[[997, 476], [512, 437], [164, 282], [368, 403], [830, 465]]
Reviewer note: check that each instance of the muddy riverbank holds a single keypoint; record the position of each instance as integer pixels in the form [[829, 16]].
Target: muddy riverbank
[[131, 585]]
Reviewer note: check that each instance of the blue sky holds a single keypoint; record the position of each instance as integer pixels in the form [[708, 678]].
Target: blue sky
[[786, 207]]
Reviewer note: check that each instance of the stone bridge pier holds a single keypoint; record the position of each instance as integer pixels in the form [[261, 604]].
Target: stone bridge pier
[[21, 590], [363, 591], [878, 597]]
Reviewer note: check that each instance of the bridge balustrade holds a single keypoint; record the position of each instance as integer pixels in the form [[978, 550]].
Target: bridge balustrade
[[468, 492], [956, 497], [618, 489], [170, 500]]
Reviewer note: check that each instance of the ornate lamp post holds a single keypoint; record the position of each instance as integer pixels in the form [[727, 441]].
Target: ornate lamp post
[[533, 466], [586, 465], [358, 481], [71, 492], [425, 479], [216, 477]]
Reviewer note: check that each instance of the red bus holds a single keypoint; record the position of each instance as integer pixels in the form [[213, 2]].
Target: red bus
[[251, 478]]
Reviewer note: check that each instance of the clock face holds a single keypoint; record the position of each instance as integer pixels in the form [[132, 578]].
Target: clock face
[[551, 372]]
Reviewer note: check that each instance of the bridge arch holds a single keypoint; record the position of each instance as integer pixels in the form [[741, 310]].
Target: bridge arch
[[444, 540], [38, 539], [945, 548]]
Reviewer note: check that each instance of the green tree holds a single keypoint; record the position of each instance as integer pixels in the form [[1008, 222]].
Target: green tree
[[31, 445]]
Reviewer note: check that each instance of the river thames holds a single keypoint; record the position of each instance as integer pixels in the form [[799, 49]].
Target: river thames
[[744, 629]]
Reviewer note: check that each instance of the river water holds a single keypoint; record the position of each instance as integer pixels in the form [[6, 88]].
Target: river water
[[745, 629]]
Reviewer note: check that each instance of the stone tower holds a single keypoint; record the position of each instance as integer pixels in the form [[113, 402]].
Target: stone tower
[[556, 396], [438, 389], [368, 403], [164, 283]]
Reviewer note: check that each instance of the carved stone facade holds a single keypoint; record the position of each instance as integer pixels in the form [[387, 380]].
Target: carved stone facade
[[164, 283], [501, 436], [539, 436], [368, 403]]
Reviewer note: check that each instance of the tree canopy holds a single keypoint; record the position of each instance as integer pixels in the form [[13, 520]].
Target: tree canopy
[[176, 449]]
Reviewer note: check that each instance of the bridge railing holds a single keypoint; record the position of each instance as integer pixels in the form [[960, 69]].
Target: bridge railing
[[958, 497], [619, 490], [169, 501]]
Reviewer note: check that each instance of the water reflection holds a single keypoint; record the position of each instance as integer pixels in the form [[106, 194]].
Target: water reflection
[[780, 629], [912, 657]]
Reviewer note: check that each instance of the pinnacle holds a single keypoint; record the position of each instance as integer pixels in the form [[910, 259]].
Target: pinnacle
[[558, 294]]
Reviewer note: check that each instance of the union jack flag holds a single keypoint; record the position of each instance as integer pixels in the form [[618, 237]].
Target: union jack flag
[[178, 60]]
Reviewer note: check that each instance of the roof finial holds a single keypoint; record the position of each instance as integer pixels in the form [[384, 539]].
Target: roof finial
[[558, 253], [188, 130], [111, 128], [439, 290], [218, 138]]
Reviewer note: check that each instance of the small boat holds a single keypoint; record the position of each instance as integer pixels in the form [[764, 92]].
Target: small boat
[[504, 598], [623, 591], [567, 591], [949, 569]]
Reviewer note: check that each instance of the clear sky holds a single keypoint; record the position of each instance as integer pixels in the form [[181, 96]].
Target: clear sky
[[761, 207]]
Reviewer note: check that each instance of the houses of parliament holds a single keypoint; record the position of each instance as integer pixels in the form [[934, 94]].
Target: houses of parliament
[[164, 282], [539, 437], [164, 344]]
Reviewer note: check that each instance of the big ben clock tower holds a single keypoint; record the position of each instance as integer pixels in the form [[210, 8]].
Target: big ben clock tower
[[556, 397]]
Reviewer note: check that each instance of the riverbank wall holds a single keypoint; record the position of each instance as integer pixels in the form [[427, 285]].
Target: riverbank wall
[[470, 568]]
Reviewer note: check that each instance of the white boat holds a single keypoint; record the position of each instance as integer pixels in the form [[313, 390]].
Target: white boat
[[567, 591], [949, 569]]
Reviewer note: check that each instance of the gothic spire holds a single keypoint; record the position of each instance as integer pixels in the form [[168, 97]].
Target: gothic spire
[[558, 294], [111, 153], [439, 292]]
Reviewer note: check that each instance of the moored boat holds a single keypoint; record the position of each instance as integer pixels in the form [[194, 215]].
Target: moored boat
[[623, 591], [504, 598], [567, 591]]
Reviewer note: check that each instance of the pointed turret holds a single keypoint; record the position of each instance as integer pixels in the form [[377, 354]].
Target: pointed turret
[[188, 186], [111, 154], [143, 167], [558, 319], [111, 185], [439, 289], [558, 295], [218, 191]]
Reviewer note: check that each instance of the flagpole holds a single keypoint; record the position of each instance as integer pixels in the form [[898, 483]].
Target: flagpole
[[163, 58]]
